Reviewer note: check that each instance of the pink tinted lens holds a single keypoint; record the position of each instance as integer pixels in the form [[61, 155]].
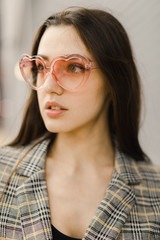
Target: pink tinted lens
[[33, 71], [70, 73]]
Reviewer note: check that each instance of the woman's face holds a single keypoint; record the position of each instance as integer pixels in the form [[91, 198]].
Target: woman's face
[[61, 110]]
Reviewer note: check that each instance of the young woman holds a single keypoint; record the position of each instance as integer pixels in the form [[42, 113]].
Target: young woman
[[76, 169]]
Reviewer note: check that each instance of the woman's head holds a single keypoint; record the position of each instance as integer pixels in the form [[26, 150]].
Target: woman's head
[[107, 42], [69, 109]]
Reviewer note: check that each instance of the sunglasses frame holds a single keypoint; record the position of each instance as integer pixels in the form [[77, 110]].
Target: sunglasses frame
[[89, 65]]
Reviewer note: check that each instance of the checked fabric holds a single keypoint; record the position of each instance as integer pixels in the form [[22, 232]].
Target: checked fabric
[[130, 209]]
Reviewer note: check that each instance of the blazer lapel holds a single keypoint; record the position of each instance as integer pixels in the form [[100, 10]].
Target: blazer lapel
[[32, 195], [114, 209], [110, 215], [34, 207]]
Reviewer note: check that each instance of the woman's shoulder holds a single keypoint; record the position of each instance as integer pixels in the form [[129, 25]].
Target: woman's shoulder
[[150, 180], [148, 171], [11, 151], [9, 155], [12, 156], [142, 175]]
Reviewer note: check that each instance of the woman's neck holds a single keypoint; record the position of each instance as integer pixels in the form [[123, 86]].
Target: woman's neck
[[88, 146]]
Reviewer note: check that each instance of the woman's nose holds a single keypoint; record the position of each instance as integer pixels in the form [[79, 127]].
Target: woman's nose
[[51, 85]]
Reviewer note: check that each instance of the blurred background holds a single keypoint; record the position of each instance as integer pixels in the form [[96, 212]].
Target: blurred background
[[19, 20]]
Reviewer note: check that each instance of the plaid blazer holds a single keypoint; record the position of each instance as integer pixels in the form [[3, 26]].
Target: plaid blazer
[[130, 209]]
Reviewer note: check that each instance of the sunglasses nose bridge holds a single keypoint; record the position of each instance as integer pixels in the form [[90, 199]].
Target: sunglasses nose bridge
[[49, 76], [51, 83], [50, 73], [48, 70]]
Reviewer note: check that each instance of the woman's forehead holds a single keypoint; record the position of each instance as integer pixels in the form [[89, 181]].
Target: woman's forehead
[[62, 40]]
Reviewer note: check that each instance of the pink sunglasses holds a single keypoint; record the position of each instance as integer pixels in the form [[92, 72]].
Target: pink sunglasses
[[70, 72]]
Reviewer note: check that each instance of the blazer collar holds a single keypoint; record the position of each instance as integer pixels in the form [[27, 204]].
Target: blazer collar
[[113, 210], [34, 158], [116, 206], [127, 168], [32, 195], [33, 205], [110, 215]]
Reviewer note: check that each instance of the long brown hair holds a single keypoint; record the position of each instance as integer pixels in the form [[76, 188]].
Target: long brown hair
[[107, 41]]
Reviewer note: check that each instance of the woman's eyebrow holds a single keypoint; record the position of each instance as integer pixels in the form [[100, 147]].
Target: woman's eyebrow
[[43, 56]]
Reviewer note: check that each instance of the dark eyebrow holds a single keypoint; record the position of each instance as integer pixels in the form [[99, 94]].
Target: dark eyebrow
[[43, 56]]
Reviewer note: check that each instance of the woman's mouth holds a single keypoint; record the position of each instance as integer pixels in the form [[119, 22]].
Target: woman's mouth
[[54, 109]]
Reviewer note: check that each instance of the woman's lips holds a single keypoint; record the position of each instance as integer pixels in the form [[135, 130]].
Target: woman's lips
[[54, 109]]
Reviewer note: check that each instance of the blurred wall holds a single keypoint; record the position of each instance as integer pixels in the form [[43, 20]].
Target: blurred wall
[[19, 21]]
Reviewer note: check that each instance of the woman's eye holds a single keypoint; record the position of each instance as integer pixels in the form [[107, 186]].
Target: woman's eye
[[40, 68], [76, 68]]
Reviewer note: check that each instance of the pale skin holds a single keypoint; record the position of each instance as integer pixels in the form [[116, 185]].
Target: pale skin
[[80, 164]]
